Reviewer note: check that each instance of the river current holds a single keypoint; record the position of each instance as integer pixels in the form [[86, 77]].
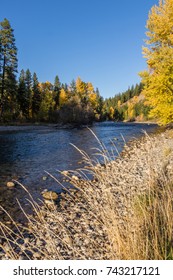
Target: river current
[[26, 152]]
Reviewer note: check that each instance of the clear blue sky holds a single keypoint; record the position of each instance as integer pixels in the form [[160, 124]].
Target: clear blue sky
[[98, 40]]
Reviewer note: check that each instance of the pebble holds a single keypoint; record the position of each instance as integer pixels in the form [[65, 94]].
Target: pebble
[[50, 195], [10, 185], [65, 173], [75, 178]]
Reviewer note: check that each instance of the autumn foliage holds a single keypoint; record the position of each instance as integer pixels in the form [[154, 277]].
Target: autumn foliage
[[79, 102], [75, 103], [158, 79]]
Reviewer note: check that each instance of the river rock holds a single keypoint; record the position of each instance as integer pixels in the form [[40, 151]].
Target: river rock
[[65, 172], [75, 178], [10, 185], [44, 178], [50, 195]]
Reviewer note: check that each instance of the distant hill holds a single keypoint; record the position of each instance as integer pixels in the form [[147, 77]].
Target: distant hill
[[128, 106]]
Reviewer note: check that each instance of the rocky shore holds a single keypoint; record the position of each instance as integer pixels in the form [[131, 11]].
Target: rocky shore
[[84, 222]]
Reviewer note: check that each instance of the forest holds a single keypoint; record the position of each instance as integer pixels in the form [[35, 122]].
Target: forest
[[26, 99], [23, 98], [129, 105]]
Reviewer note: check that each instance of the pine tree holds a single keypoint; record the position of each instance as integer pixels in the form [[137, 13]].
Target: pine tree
[[100, 102], [22, 92], [56, 90], [73, 87], [47, 101], [158, 80], [28, 101], [36, 96], [8, 67], [24, 96]]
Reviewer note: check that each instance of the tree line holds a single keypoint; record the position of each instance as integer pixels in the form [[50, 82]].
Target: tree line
[[27, 99], [77, 103], [129, 105]]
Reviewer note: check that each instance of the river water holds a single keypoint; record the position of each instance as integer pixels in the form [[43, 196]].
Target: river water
[[27, 152]]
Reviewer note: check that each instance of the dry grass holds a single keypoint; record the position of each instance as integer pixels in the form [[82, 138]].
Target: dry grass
[[125, 212], [154, 212]]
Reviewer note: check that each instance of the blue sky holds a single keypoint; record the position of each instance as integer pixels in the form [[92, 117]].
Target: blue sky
[[98, 40]]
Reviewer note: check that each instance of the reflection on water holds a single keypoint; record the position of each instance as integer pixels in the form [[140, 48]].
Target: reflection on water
[[26, 154]]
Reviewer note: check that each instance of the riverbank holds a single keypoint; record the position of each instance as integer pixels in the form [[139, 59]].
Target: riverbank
[[125, 212], [32, 126], [24, 126]]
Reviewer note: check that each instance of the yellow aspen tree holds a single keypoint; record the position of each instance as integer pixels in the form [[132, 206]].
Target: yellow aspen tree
[[62, 97], [119, 104], [111, 113], [93, 100], [130, 111], [158, 79], [90, 88], [81, 87]]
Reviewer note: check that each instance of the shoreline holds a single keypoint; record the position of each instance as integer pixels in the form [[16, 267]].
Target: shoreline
[[89, 217], [34, 126], [31, 174]]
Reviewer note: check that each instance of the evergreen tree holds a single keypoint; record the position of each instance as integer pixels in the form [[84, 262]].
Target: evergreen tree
[[99, 102], [0, 56], [21, 96], [56, 90], [47, 101], [28, 101], [8, 67], [65, 87], [36, 96], [73, 87], [24, 95]]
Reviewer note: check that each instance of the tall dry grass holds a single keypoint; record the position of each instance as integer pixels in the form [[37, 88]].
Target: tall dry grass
[[124, 212], [149, 233]]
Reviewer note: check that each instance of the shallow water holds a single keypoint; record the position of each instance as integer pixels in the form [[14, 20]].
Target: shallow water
[[26, 152]]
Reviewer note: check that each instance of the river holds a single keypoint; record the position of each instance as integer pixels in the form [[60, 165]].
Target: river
[[26, 152]]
